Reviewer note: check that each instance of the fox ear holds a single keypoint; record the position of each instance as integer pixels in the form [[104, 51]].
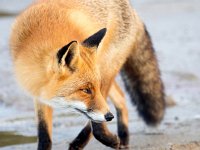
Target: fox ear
[[67, 55], [95, 39]]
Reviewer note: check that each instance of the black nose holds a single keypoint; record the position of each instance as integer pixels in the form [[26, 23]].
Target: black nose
[[109, 116]]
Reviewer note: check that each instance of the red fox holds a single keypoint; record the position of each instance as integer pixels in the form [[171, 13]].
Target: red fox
[[67, 53]]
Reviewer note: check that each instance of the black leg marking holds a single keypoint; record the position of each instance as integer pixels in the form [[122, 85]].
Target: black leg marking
[[123, 132], [82, 139], [101, 133], [44, 141]]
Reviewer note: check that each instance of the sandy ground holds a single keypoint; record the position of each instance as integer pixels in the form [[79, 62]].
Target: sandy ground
[[174, 27]]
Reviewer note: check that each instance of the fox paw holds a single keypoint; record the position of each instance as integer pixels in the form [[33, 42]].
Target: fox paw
[[123, 146], [116, 144]]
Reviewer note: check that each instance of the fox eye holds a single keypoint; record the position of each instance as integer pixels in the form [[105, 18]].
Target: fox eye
[[88, 91]]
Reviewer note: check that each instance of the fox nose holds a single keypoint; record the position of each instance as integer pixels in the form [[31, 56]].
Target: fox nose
[[109, 116]]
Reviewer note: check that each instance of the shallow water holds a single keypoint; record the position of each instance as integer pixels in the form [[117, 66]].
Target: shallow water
[[12, 138]]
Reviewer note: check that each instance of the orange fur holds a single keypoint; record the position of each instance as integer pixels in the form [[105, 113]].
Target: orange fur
[[49, 25], [34, 45]]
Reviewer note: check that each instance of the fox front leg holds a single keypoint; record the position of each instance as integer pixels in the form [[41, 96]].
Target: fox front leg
[[82, 139], [44, 119], [102, 134], [117, 97]]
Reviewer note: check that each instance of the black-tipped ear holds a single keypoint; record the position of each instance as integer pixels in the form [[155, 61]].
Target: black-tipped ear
[[66, 55], [95, 39]]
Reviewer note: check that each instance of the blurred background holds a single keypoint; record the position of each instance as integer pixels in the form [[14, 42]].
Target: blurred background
[[174, 26]]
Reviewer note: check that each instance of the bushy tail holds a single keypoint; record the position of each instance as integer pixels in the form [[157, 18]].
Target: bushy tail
[[142, 81]]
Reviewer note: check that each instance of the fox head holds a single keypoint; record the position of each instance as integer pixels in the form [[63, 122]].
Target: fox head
[[75, 81]]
